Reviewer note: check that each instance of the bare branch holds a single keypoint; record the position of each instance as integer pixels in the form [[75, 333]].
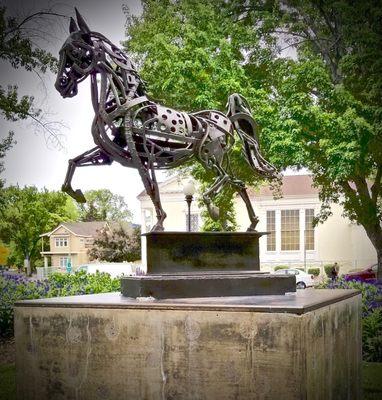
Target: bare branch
[[30, 17]]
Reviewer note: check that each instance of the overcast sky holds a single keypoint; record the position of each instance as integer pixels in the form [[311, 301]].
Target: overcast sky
[[34, 162]]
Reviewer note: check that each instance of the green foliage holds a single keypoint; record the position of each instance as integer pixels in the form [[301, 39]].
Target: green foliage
[[103, 205], [328, 270], [19, 49], [117, 243], [190, 54], [16, 287], [372, 336], [314, 271], [320, 110], [278, 267], [371, 315], [25, 214]]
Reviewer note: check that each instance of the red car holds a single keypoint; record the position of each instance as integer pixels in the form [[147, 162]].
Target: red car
[[365, 275]]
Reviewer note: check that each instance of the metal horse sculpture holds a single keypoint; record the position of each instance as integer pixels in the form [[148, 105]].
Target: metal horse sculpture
[[138, 133]]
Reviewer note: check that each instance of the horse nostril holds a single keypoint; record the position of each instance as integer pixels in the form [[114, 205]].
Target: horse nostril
[[63, 81]]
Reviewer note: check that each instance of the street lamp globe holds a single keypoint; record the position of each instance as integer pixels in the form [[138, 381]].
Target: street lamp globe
[[189, 188]]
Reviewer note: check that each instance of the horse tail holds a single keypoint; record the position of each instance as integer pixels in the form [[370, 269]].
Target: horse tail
[[239, 113]]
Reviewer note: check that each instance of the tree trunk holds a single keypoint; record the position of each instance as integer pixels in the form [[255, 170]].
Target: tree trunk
[[375, 236], [27, 265]]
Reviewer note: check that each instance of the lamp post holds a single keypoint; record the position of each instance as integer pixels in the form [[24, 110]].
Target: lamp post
[[189, 190]]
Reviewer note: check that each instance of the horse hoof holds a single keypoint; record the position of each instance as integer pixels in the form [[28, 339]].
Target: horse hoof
[[157, 228], [214, 212], [79, 196]]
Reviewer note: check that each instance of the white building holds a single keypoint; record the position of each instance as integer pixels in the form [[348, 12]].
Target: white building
[[292, 239]]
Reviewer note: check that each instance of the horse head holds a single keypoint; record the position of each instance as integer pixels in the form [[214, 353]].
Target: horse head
[[77, 58]]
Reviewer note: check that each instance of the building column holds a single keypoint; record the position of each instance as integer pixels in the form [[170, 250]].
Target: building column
[[45, 262]]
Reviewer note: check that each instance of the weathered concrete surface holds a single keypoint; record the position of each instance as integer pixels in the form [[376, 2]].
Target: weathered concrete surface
[[189, 350]]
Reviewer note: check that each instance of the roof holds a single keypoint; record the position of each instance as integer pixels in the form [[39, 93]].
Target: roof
[[292, 185], [80, 228], [90, 229], [162, 187]]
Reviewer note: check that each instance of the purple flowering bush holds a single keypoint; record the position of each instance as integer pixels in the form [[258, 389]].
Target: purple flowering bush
[[371, 314], [15, 287]]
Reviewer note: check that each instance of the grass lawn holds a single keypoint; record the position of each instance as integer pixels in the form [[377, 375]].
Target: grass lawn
[[7, 382], [371, 382]]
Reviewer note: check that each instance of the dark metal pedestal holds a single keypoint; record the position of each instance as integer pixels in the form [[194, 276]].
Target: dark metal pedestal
[[173, 252], [204, 264], [207, 285]]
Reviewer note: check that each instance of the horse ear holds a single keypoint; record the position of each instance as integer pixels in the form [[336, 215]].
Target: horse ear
[[81, 22], [72, 26]]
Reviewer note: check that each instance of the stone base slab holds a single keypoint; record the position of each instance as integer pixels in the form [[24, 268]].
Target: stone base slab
[[305, 345]]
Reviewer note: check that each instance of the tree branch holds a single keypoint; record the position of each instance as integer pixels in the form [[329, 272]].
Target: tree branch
[[376, 187], [30, 17]]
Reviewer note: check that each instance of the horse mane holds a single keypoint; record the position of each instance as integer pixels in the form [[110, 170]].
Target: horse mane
[[118, 56]]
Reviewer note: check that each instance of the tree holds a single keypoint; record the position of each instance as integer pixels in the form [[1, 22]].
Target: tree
[[26, 214], [319, 109], [117, 243], [190, 56], [19, 47], [103, 205]]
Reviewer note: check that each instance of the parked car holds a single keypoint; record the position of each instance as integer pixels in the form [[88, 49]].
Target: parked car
[[303, 280], [367, 274], [114, 269]]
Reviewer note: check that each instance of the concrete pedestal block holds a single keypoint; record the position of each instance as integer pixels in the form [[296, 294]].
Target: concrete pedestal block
[[305, 345]]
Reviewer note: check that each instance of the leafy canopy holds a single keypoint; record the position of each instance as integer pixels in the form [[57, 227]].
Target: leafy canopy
[[319, 108], [117, 243], [26, 213], [103, 205]]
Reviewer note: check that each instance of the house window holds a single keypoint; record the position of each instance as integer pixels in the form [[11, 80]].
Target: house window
[[64, 262], [309, 229], [290, 229], [61, 241], [271, 228], [194, 222]]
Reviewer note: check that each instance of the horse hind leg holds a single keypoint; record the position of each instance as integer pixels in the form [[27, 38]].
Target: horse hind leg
[[240, 187], [209, 195], [151, 186], [155, 198]]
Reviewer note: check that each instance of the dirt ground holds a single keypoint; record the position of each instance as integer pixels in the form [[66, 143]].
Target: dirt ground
[[7, 351]]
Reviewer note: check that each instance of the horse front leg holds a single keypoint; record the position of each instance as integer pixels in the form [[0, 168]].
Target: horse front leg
[[149, 180], [93, 156]]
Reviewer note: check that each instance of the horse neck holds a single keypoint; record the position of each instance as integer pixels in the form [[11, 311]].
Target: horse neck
[[121, 67]]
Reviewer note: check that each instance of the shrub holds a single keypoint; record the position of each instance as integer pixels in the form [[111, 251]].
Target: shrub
[[314, 271], [372, 336], [17, 287], [277, 267], [371, 314], [328, 270]]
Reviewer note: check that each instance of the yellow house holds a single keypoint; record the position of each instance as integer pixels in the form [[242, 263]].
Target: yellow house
[[70, 241]]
